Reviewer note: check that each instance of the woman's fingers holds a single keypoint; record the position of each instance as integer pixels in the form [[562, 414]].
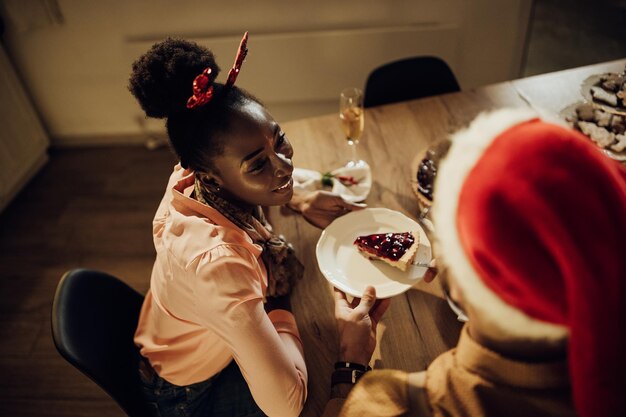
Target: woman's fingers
[[366, 305], [367, 301], [376, 313], [349, 206], [341, 302], [339, 295]]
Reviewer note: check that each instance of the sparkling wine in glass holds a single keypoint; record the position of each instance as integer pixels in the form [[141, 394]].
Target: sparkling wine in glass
[[352, 121]]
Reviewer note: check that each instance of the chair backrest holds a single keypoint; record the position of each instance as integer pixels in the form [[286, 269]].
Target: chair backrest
[[409, 79], [94, 316]]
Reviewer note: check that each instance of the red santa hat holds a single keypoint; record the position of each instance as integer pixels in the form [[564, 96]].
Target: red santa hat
[[531, 222]]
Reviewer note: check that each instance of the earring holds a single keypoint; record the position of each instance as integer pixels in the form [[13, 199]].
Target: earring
[[211, 184], [214, 185]]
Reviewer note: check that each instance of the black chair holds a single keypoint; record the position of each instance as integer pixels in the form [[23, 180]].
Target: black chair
[[409, 79], [94, 316]]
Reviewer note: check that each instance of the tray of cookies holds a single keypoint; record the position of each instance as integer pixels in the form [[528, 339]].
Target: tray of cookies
[[602, 115]]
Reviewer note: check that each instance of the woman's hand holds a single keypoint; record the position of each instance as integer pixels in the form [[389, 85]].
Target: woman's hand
[[356, 323], [320, 207]]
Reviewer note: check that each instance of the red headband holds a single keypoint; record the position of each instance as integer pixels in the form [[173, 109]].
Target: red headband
[[203, 91]]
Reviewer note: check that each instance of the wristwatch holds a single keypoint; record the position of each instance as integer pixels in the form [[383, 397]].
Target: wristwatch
[[346, 376]]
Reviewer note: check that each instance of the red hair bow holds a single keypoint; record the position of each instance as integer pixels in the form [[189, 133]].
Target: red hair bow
[[203, 91]]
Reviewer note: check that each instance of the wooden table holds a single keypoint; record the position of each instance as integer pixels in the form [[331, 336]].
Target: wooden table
[[419, 324]]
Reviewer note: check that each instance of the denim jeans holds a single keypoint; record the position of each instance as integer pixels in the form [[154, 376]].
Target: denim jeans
[[224, 394]]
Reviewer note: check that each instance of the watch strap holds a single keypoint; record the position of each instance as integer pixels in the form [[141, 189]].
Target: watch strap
[[352, 365], [346, 376]]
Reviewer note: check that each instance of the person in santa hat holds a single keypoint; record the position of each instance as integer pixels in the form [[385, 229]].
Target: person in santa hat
[[530, 225]]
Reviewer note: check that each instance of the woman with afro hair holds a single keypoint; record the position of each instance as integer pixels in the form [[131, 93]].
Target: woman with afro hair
[[216, 333]]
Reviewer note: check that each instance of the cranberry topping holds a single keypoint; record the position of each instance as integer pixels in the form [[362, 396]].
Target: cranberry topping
[[386, 245], [426, 177]]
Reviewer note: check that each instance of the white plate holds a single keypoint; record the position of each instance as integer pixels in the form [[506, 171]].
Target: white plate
[[351, 272]]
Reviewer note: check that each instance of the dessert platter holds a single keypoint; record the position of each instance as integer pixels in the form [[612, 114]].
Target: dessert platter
[[374, 246], [602, 116], [424, 168], [606, 91]]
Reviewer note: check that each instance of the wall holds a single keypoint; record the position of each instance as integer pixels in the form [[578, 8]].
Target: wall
[[23, 142], [75, 55], [573, 33]]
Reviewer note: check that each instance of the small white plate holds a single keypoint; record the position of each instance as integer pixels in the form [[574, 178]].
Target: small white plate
[[310, 180], [348, 270], [354, 193]]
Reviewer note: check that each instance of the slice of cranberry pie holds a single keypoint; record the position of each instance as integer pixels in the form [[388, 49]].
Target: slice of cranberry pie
[[397, 249]]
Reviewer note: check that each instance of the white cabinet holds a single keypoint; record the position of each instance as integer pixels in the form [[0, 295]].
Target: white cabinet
[[23, 141], [301, 53]]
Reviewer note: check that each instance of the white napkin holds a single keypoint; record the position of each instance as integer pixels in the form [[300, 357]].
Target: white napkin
[[310, 180]]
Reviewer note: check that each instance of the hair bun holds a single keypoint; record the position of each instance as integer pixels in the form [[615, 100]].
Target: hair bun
[[162, 78]]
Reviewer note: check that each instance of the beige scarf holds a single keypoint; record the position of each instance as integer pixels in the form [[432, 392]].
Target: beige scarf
[[283, 267]]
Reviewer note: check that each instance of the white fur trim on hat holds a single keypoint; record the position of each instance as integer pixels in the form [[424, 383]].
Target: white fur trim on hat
[[467, 148]]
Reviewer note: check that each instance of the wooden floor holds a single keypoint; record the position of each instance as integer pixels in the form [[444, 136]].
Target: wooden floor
[[90, 208]]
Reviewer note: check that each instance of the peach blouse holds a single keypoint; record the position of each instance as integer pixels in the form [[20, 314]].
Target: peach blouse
[[205, 305]]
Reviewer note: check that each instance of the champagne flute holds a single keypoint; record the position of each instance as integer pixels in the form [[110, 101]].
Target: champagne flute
[[352, 121]]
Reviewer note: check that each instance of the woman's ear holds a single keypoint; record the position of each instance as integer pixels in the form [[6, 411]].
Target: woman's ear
[[209, 180]]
